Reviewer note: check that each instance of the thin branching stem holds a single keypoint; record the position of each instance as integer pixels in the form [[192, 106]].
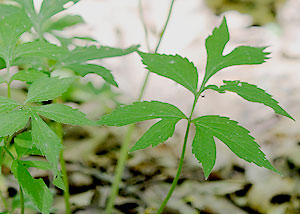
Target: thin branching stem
[[175, 180], [126, 144]]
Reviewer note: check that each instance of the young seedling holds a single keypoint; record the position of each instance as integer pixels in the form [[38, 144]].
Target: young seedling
[[209, 127], [23, 123]]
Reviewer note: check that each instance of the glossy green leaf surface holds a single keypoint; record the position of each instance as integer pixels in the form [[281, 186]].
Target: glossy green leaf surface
[[176, 68], [251, 93], [158, 133], [7, 105], [234, 136], [35, 189], [243, 55], [63, 114], [13, 121], [140, 111], [84, 69], [45, 89], [45, 140]]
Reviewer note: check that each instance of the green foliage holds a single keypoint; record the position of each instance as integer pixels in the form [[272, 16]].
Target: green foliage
[[234, 136], [35, 189], [45, 140], [182, 71], [251, 93], [158, 133], [140, 111], [63, 114], [37, 59], [173, 67], [45, 89], [243, 55]]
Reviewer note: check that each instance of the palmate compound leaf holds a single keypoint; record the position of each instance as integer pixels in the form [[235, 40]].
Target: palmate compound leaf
[[176, 68], [158, 133], [140, 111], [13, 121], [63, 114], [251, 93], [48, 88], [45, 140], [84, 69], [243, 55], [35, 189], [229, 132]]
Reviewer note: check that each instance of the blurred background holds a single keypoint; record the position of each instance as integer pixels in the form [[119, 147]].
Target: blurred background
[[235, 186]]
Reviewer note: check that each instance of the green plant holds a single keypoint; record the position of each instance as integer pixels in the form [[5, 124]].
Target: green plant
[[128, 137], [208, 127], [25, 129]]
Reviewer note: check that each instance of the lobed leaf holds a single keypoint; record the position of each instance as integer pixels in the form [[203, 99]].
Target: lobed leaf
[[84, 69], [204, 149], [63, 114], [13, 121], [35, 189], [234, 136], [45, 140], [7, 105], [173, 67], [158, 133], [48, 88], [243, 55], [251, 93], [140, 111]]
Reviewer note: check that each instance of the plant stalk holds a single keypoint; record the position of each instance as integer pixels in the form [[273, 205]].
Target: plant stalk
[[59, 132], [22, 201], [120, 168], [175, 180], [125, 146]]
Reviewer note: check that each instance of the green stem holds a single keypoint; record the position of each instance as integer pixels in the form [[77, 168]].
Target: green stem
[[59, 132], [126, 144], [119, 169], [22, 201], [174, 183]]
